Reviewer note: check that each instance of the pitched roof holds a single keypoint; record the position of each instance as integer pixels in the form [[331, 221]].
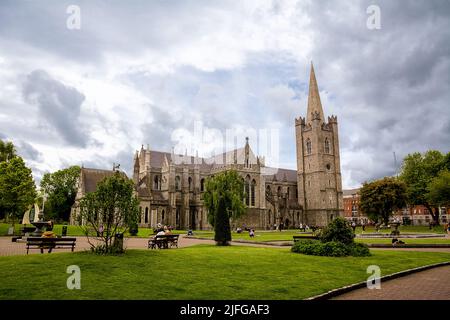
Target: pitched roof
[[157, 160], [350, 192], [280, 174], [91, 177]]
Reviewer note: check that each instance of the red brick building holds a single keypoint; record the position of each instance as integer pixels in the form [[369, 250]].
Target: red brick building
[[413, 215]]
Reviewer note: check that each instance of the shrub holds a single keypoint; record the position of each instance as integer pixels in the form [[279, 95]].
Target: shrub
[[305, 246], [337, 231], [359, 250], [330, 249], [334, 249]]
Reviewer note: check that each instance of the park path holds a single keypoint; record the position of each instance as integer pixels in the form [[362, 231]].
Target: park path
[[9, 248], [431, 284]]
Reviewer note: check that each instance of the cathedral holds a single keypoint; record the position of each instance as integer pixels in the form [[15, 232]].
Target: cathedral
[[170, 187]]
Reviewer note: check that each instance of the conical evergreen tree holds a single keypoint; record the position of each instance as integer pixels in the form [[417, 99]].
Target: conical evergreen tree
[[222, 227]]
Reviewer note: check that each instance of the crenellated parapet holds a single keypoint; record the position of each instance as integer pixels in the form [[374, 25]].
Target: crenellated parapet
[[332, 119], [300, 121]]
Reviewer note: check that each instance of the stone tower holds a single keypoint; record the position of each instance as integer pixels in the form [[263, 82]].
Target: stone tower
[[319, 179]]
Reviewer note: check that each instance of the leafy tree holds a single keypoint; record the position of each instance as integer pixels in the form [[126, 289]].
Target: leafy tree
[[418, 170], [337, 231], [7, 151], [60, 188], [378, 199], [17, 188], [111, 209], [439, 189], [223, 197]]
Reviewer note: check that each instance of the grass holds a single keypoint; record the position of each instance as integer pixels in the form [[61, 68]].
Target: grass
[[260, 236], [406, 240], [199, 272], [406, 229], [271, 236]]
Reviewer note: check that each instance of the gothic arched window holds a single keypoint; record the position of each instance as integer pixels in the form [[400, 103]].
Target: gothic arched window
[[177, 183], [247, 190], [327, 145], [252, 193], [157, 183], [308, 146], [146, 215], [202, 185], [190, 183]]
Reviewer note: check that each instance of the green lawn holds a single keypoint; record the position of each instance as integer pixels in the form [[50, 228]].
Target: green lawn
[[200, 272], [260, 236], [287, 236], [406, 240], [406, 229]]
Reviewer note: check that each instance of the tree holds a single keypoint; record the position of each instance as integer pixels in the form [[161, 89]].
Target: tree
[[111, 209], [418, 170], [378, 199], [7, 151], [223, 197], [439, 189], [17, 188], [60, 187], [339, 231]]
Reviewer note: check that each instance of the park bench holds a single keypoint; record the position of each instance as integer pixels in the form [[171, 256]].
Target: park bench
[[165, 241], [311, 237], [49, 243]]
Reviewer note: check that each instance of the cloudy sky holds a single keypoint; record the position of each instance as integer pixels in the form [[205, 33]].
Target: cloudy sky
[[145, 72]]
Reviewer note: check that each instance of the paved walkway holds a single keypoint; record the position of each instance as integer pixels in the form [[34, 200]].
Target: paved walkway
[[432, 284], [9, 248]]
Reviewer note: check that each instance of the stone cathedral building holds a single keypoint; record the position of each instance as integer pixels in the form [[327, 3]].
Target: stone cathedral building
[[170, 187]]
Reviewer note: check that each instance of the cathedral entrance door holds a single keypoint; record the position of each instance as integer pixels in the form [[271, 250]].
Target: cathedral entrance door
[[193, 223]]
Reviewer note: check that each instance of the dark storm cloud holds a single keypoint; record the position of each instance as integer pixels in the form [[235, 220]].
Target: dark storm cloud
[[393, 84], [27, 151], [124, 158], [58, 104], [389, 87]]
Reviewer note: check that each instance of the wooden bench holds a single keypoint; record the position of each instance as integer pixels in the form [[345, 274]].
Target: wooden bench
[[165, 241], [49, 243], [311, 237]]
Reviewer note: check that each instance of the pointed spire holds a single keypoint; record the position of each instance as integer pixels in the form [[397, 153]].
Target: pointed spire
[[314, 104]]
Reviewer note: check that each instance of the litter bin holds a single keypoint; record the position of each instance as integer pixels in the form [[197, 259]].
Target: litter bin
[[64, 231], [118, 242]]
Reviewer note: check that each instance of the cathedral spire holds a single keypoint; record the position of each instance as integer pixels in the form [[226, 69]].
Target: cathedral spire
[[314, 105]]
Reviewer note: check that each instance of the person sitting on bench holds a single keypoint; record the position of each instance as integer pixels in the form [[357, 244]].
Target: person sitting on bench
[[395, 241]]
